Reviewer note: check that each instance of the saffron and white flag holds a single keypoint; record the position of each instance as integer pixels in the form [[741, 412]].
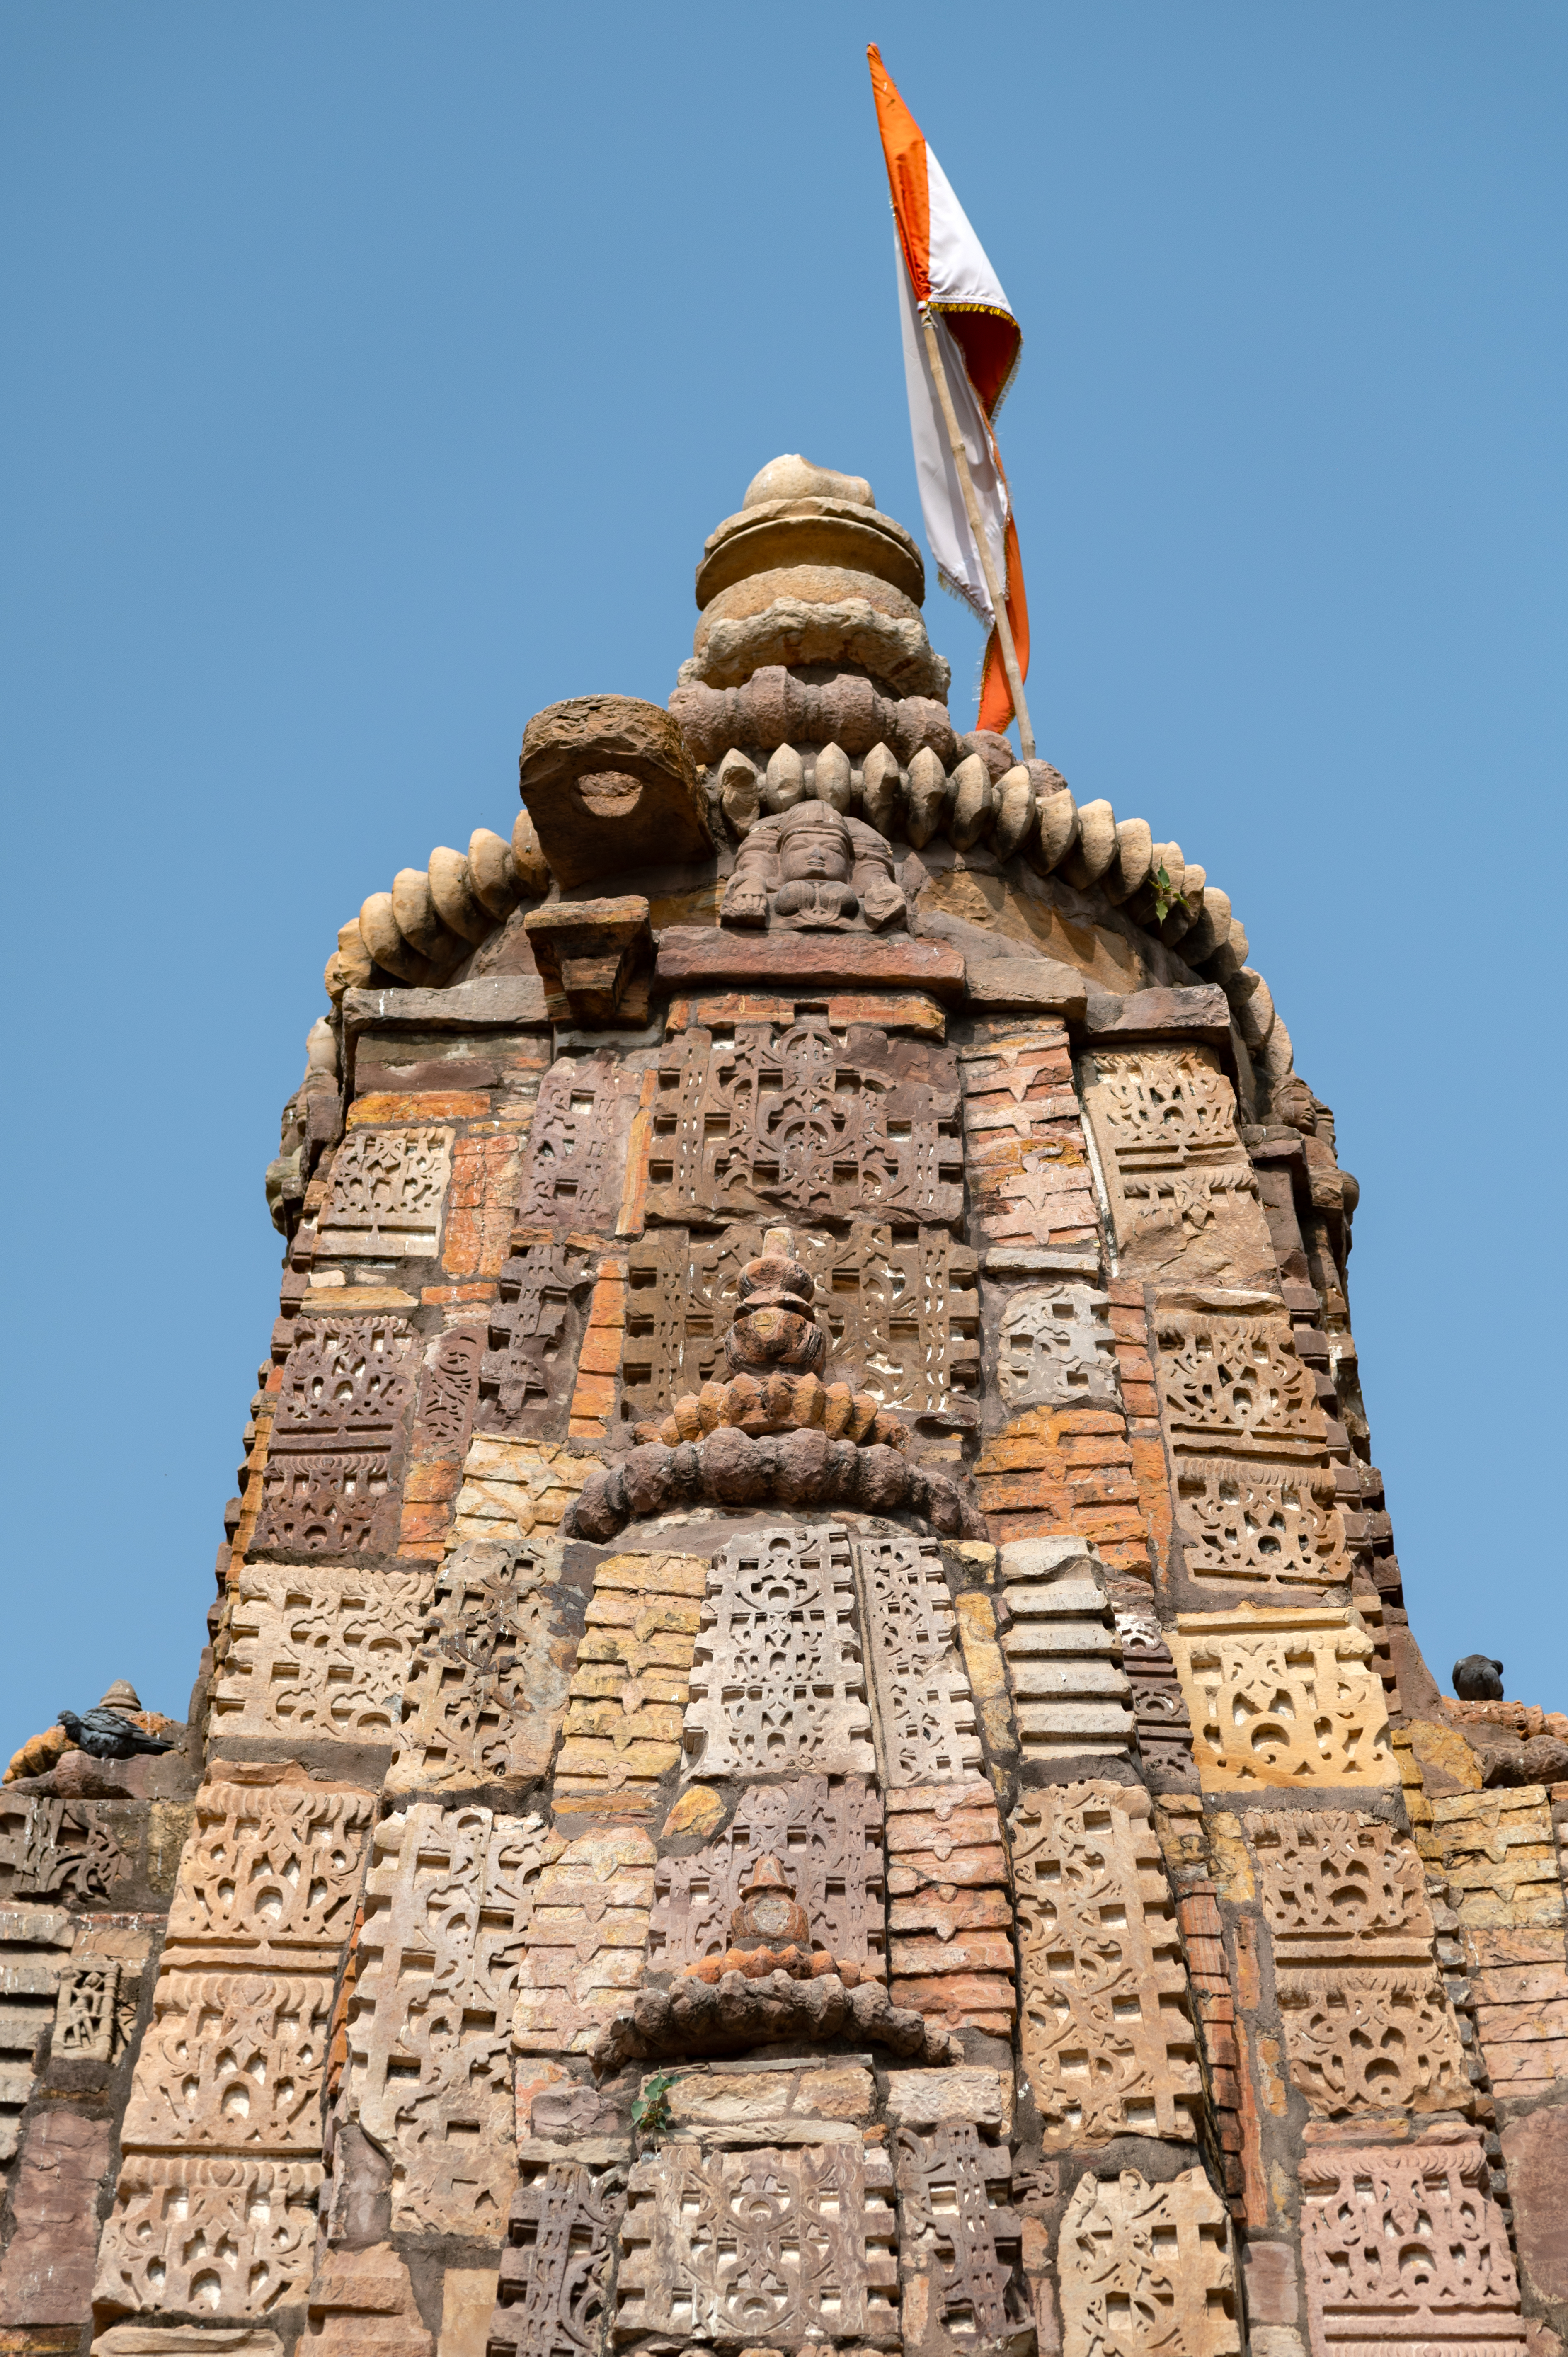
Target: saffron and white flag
[[943, 273]]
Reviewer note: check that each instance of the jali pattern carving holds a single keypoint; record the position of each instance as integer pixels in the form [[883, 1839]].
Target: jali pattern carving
[[923, 1714], [270, 1871], [388, 1188], [900, 1312], [777, 1681], [781, 2249], [487, 1685], [534, 1330], [232, 2063], [957, 2227], [826, 1832], [552, 2295], [794, 1118], [229, 2238], [329, 1481], [1146, 2270], [1182, 1190], [1254, 1479], [577, 1146], [1404, 2249], [1282, 1697], [1058, 1349], [1107, 2041], [447, 1902], [319, 1651]]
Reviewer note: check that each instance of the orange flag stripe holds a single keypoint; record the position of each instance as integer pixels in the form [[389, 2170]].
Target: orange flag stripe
[[904, 149]]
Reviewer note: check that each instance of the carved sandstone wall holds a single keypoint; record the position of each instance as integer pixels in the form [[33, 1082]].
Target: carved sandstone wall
[[810, 1737]]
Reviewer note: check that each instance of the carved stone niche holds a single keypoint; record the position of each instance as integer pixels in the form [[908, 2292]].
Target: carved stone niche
[[827, 1831], [610, 787], [810, 869]]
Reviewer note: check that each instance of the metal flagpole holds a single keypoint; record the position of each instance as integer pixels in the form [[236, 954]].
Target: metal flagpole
[[971, 507]]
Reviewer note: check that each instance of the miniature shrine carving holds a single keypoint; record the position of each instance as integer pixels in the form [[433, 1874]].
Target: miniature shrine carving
[[828, 1832], [317, 1650], [1107, 2039], [777, 1681], [328, 1482], [800, 1119], [810, 869], [388, 1188]]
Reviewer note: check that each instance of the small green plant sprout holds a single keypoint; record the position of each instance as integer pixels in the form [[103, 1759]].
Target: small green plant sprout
[[651, 2112], [1165, 899]]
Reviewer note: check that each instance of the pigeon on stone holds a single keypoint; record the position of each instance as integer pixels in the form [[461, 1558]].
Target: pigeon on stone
[[104, 1735], [1478, 1678]]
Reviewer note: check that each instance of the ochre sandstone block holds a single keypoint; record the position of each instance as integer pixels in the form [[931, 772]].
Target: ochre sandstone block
[[319, 1650], [1283, 1698], [1145, 2268]]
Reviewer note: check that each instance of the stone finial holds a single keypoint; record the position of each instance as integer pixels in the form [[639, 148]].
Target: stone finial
[[773, 1324], [794, 477], [122, 1695]]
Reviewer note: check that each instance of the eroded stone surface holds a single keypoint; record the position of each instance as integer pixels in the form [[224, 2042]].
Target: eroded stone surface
[[448, 1900], [1106, 2034], [555, 2265], [1145, 2268], [921, 1707], [1184, 1198], [486, 1683], [336, 1433], [46, 2274], [1023, 1142], [1057, 1348], [586, 1941], [631, 1682], [950, 1910], [270, 1875], [227, 2237], [959, 2238], [388, 1190]]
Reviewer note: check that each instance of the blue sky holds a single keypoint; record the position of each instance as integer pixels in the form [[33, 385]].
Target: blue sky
[[374, 375]]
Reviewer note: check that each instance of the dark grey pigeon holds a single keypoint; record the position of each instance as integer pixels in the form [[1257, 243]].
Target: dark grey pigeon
[[1478, 1678], [104, 1735]]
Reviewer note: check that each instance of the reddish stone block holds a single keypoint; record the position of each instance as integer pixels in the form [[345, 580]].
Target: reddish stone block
[[47, 2277]]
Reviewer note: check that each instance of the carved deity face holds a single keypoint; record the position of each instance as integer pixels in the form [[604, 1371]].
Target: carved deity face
[[818, 851]]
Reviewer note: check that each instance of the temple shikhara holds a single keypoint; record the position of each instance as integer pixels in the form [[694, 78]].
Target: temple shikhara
[[809, 1739]]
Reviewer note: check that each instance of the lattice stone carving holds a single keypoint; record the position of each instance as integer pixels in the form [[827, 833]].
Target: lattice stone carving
[[487, 1685], [900, 1312], [1403, 2248], [232, 2062], [1282, 1697], [448, 1393], [534, 1332], [1340, 1888], [795, 1117], [921, 1707], [552, 2298], [577, 1158], [1058, 1349], [270, 1873], [1183, 1195], [388, 1188], [1024, 1142], [447, 1902], [209, 2238], [1107, 2041], [778, 1682], [1146, 2270], [826, 1832], [335, 1437], [586, 1941], [56, 1849], [1372, 2042], [958, 2230], [322, 1649], [1254, 1479], [783, 2248]]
